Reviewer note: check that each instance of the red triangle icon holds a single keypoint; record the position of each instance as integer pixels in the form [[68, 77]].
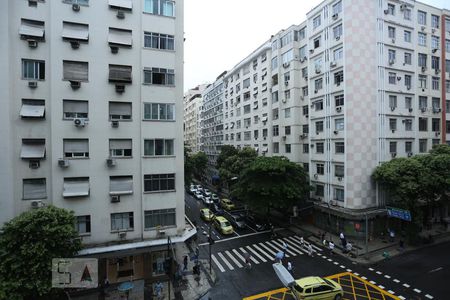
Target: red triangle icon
[[86, 275]]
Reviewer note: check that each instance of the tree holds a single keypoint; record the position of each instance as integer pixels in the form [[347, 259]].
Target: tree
[[272, 182], [188, 165], [200, 162], [233, 165], [28, 243], [226, 151]]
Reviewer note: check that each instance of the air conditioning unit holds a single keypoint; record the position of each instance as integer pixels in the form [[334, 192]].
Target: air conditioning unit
[[286, 83], [433, 30], [423, 28], [338, 38], [283, 100], [335, 16], [408, 87], [302, 59], [392, 108], [114, 49], [393, 41], [283, 137], [437, 71], [76, 7], [316, 91], [120, 14], [338, 108], [338, 83], [424, 69], [333, 64], [317, 132], [317, 71], [75, 84], [120, 88], [386, 11], [434, 50], [32, 84], [410, 154], [410, 109], [303, 136], [311, 51], [393, 130], [306, 116], [437, 133], [75, 44], [302, 97], [316, 176], [285, 65], [115, 198], [393, 154], [63, 163], [391, 61], [32, 43], [110, 162], [423, 109], [32, 2], [79, 122], [37, 204], [34, 164], [122, 235], [335, 132]]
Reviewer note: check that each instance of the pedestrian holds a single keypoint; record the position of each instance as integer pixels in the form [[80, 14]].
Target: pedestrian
[[158, 289], [331, 247], [310, 250], [342, 238], [279, 256], [289, 267], [348, 248], [247, 260], [391, 235], [324, 242], [272, 231], [302, 242], [322, 237], [185, 262], [285, 246]]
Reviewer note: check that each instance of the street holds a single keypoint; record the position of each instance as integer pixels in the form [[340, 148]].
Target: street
[[417, 275]]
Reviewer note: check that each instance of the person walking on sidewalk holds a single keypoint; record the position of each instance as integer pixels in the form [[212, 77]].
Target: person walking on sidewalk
[[185, 263], [310, 250], [290, 268], [331, 247], [343, 240]]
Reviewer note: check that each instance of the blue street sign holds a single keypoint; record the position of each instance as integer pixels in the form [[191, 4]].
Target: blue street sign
[[399, 213]]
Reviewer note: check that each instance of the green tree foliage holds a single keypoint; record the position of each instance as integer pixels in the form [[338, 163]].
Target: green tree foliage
[[226, 151], [188, 165], [200, 162], [272, 182], [28, 243], [234, 165]]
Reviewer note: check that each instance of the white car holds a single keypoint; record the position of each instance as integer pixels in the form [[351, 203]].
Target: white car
[[192, 189], [199, 188], [215, 198], [207, 200], [207, 193], [198, 195]]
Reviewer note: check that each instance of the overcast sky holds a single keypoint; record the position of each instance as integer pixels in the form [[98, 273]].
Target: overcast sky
[[221, 33]]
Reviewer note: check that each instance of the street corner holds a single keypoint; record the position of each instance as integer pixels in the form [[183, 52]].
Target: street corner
[[355, 288]]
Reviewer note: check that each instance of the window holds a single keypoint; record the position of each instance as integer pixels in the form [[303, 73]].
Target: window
[[247, 109], [318, 84], [159, 217], [447, 46], [435, 83], [319, 147], [319, 126], [423, 102], [319, 190], [122, 221], [422, 17], [305, 110], [275, 130], [300, 34], [435, 21], [287, 130], [408, 147], [339, 147], [423, 145], [318, 105], [120, 74], [320, 169], [119, 111], [422, 40], [435, 63], [120, 185], [159, 111], [33, 69], [305, 148], [337, 31], [159, 41], [158, 147], [75, 32], [287, 113], [246, 83], [302, 52], [159, 182], [159, 76], [32, 149], [338, 196], [305, 91], [120, 148], [274, 63], [422, 60], [434, 42], [391, 9], [32, 108], [317, 42], [339, 171], [408, 102], [316, 22], [392, 147], [76, 148], [75, 109], [407, 14], [34, 189], [119, 37], [275, 97], [392, 101], [423, 81], [287, 56], [83, 224], [393, 124], [391, 32], [436, 103], [408, 58], [276, 147], [423, 124], [408, 125], [32, 29], [338, 77], [286, 39], [318, 64], [447, 126], [337, 8], [339, 100], [392, 78], [76, 187], [339, 124], [75, 71], [436, 125], [391, 56], [305, 72], [407, 36], [305, 129], [408, 81], [160, 7], [247, 135], [288, 148]]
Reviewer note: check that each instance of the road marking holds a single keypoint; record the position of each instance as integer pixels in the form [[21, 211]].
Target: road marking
[[363, 277], [387, 276], [233, 259], [370, 269], [392, 292], [225, 261], [396, 280], [238, 255], [324, 257], [342, 267], [286, 250], [276, 247], [372, 282], [378, 272], [417, 291], [381, 287], [263, 252], [330, 260], [336, 263], [348, 270], [268, 249], [251, 257], [402, 298], [235, 237], [217, 263], [238, 235], [429, 296], [435, 270], [293, 246], [406, 285], [307, 243], [251, 228], [357, 274]]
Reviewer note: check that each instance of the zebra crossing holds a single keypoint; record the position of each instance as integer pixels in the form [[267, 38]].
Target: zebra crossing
[[261, 252]]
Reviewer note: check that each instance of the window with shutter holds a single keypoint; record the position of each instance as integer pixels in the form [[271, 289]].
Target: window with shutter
[[75, 70], [34, 189], [120, 73], [76, 148]]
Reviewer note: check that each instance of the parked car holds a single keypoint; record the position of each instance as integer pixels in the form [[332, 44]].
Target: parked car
[[314, 287], [199, 188], [198, 195], [216, 209], [206, 214], [207, 200], [257, 223], [222, 225], [206, 192], [215, 198], [226, 204], [192, 189], [238, 221]]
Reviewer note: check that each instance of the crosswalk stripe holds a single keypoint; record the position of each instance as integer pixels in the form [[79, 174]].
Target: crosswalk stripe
[[238, 255], [287, 249], [297, 244], [217, 263], [233, 259], [293, 246], [263, 252], [268, 249], [225, 261], [307, 243], [251, 257], [256, 254], [276, 247]]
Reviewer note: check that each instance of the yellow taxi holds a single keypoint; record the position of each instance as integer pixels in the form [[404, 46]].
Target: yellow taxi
[[222, 225], [226, 204], [206, 214], [317, 288]]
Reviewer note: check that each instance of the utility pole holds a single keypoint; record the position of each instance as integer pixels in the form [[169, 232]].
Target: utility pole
[[210, 243], [367, 235]]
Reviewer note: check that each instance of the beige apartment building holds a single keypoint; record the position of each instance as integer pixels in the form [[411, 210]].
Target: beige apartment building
[[192, 112]]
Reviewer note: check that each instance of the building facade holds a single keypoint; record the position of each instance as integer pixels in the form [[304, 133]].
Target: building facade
[[192, 111], [92, 122], [358, 83]]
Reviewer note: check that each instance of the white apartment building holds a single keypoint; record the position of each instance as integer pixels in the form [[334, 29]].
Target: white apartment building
[[358, 83], [92, 122], [192, 111]]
